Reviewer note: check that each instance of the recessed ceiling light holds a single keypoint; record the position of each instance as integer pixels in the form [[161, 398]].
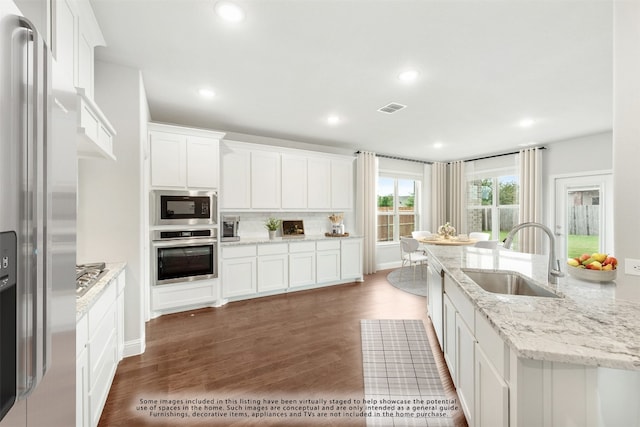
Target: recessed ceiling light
[[333, 120], [408, 76], [206, 93], [525, 123], [228, 11], [438, 144]]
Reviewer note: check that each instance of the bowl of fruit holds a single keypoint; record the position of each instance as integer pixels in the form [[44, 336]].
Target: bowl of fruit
[[596, 267]]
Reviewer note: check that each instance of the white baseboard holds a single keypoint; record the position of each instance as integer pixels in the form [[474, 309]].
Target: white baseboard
[[134, 347], [388, 265]]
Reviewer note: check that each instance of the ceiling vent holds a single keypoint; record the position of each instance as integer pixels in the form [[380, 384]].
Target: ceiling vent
[[391, 108]]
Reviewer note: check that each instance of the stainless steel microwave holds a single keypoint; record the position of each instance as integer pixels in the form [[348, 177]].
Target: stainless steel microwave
[[184, 207]]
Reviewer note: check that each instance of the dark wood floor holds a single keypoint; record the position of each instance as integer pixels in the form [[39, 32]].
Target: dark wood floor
[[302, 344]]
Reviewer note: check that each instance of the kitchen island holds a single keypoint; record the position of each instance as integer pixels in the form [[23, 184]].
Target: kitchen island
[[572, 360]]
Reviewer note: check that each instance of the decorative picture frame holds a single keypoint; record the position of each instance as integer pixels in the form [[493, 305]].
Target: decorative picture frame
[[292, 228]]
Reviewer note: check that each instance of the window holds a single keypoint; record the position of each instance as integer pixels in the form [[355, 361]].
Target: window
[[492, 203], [397, 207]]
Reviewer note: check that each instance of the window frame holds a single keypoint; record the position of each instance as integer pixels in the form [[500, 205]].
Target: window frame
[[395, 213], [494, 175]]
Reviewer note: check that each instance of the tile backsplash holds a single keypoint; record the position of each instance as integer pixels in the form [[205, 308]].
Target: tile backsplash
[[315, 223]]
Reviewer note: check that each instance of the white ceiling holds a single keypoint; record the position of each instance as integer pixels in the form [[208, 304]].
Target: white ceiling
[[484, 66]]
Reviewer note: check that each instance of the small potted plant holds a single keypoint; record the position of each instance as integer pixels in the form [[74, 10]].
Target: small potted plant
[[272, 224]]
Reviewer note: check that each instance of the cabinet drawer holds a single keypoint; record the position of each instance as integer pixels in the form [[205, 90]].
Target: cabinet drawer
[[302, 247], [325, 245], [460, 301], [273, 249], [82, 334], [239, 251], [102, 345], [103, 305], [492, 345]]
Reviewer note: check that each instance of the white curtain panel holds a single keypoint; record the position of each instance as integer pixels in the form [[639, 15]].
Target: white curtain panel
[[457, 196], [438, 195], [367, 208], [530, 169]]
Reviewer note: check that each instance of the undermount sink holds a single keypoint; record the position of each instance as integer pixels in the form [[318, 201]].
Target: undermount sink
[[509, 283]]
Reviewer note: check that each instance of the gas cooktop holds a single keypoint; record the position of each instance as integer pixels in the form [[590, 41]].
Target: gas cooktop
[[87, 275]]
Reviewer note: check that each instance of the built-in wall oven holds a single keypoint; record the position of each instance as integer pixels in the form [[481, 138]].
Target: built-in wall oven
[[184, 207], [184, 255]]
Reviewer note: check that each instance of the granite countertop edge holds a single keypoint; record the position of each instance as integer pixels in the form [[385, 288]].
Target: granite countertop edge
[[262, 240], [586, 326], [85, 302]]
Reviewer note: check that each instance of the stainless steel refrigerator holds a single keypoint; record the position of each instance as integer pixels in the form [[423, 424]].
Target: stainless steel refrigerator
[[37, 231]]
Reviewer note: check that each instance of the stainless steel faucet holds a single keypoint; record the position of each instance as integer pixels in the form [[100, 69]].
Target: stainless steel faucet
[[554, 271]]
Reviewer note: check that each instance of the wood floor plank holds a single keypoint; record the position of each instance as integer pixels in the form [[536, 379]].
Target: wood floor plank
[[299, 344]]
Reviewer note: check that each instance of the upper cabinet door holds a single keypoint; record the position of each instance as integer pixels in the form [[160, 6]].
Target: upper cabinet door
[[294, 182], [168, 163], [236, 178], [342, 184], [85, 62], [65, 27], [265, 180], [319, 181], [202, 162]]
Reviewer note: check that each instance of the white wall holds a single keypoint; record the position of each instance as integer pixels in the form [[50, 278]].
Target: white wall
[[626, 142], [581, 154], [110, 208]]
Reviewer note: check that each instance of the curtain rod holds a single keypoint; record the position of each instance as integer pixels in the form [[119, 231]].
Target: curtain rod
[[387, 156], [499, 155]]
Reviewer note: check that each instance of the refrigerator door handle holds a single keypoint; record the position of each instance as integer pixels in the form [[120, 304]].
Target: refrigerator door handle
[[37, 339]]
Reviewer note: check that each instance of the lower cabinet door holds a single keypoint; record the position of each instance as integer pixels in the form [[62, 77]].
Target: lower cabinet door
[[449, 347], [302, 269], [328, 266], [239, 277], [465, 355], [273, 273], [491, 394]]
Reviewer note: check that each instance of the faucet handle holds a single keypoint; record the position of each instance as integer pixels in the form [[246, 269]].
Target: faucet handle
[[557, 272]]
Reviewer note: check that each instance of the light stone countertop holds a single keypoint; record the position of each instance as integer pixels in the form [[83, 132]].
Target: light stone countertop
[[587, 326], [86, 301], [261, 240]]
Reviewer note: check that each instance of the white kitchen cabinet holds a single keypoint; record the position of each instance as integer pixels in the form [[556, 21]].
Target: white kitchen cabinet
[[351, 258], [491, 393], [183, 158], [65, 17], [434, 300], [449, 339], [319, 183], [181, 296], [273, 267], [99, 348], [236, 178], [202, 162], [341, 184], [82, 372], [121, 281], [465, 363], [302, 264], [328, 261], [168, 160], [294, 182], [265, 180], [239, 271]]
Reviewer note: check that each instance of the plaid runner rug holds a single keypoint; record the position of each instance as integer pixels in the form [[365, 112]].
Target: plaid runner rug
[[401, 382]]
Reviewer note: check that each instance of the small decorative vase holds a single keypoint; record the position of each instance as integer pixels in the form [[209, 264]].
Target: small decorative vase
[[272, 234]]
